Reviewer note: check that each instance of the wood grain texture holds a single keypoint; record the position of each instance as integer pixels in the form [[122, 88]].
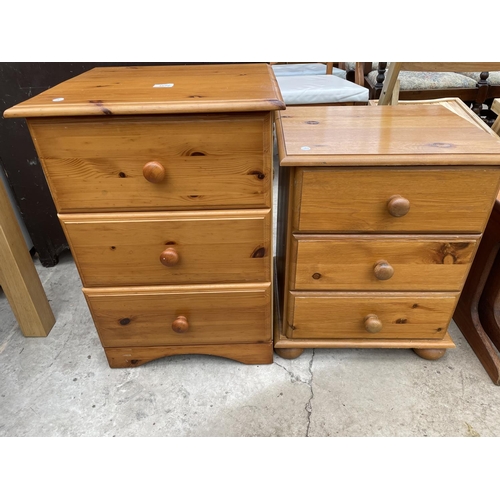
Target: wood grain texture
[[380, 201], [178, 193], [19, 278], [374, 136], [454, 104], [158, 89], [336, 315], [348, 262], [212, 247], [344, 200], [445, 343], [218, 314], [292, 348], [210, 161], [250, 354]]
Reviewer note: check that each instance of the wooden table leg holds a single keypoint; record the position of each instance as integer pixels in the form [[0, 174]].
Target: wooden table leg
[[18, 276], [466, 314], [489, 304]]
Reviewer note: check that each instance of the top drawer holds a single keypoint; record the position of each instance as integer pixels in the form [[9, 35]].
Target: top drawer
[[199, 161], [448, 200]]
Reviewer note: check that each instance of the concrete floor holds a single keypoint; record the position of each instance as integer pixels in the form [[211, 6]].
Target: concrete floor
[[62, 385]]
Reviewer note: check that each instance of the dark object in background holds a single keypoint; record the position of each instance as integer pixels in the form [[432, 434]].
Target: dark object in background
[[18, 157]]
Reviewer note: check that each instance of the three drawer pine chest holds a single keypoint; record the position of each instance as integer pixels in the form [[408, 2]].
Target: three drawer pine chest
[[381, 210], [162, 178]]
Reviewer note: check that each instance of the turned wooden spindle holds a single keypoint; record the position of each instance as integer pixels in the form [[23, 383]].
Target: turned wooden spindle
[[381, 67], [398, 206], [180, 324], [383, 270], [373, 323], [169, 257], [153, 172]]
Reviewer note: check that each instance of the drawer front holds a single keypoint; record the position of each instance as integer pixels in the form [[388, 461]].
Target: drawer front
[[171, 248], [369, 316], [158, 316], [208, 161], [361, 200], [382, 264]]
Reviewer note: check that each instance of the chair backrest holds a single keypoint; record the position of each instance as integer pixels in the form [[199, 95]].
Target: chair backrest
[[328, 65], [390, 91]]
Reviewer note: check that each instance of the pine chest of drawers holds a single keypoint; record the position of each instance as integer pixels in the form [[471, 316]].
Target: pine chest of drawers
[[162, 178], [381, 209]]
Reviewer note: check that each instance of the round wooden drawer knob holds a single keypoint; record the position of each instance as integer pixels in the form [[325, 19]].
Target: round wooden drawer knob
[[169, 257], [373, 324], [180, 324], [383, 270], [398, 206], [153, 172]]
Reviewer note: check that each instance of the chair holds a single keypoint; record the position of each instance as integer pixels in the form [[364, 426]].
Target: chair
[[317, 83], [477, 314], [420, 81], [495, 107], [490, 80], [390, 94], [355, 72]]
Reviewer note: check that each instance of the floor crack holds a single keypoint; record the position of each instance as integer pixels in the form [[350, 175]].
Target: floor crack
[[308, 406], [286, 369], [308, 382], [293, 377]]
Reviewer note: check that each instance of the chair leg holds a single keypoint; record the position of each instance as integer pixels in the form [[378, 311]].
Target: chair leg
[[18, 276], [395, 93], [496, 126], [495, 107], [489, 304], [390, 80]]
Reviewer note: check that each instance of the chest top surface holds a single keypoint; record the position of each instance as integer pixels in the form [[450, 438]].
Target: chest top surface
[[382, 135], [158, 89]]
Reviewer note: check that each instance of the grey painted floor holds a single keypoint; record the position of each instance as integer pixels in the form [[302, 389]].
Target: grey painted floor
[[62, 386]]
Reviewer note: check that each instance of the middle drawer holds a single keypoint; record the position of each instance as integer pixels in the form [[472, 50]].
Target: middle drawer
[[171, 248], [432, 263]]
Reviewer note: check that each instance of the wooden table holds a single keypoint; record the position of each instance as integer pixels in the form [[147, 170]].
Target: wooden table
[[478, 311], [18, 276], [162, 178], [381, 210]]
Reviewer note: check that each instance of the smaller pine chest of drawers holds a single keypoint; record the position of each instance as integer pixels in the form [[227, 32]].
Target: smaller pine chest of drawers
[[162, 178], [381, 210]]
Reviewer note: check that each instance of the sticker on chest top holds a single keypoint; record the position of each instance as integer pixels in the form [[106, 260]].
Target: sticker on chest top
[[162, 85]]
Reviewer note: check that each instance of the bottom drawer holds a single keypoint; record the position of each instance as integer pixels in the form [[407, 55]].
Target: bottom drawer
[[369, 315], [156, 316]]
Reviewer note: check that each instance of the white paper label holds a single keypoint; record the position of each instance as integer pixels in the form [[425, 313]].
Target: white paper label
[[162, 85]]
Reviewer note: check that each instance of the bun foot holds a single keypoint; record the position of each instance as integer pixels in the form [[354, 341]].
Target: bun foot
[[290, 353], [430, 354]]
